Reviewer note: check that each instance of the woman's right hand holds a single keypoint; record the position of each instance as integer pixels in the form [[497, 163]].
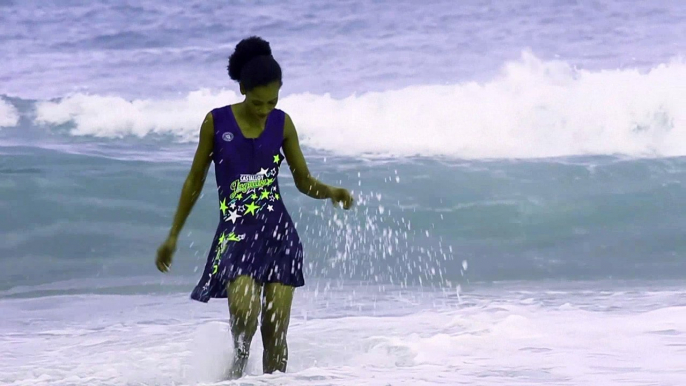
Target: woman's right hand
[[165, 253]]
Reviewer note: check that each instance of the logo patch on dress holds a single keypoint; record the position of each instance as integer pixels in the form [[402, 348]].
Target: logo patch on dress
[[228, 136], [251, 177]]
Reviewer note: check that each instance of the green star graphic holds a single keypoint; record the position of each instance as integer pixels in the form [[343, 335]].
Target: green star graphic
[[239, 196], [251, 208], [221, 246], [223, 207], [276, 195], [254, 196], [277, 159], [233, 237], [265, 194]]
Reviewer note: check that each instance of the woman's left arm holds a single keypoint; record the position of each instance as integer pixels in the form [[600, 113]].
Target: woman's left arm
[[304, 181]]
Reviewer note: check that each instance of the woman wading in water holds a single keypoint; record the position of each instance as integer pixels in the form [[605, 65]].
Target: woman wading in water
[[256, 258]]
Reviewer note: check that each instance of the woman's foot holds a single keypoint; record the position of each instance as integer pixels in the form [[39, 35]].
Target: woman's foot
[[240, 361]]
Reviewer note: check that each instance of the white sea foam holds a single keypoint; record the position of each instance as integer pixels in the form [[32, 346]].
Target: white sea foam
[[8, 114], [534, 108], [353, 335]]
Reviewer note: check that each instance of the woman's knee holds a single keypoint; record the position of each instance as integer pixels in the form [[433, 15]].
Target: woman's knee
[[244, 314], [276, 312], [244, 299], [274, 327]]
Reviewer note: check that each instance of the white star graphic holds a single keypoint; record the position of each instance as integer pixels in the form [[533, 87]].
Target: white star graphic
[[233, 216], [263, 172], [270, 208], [233, 205]]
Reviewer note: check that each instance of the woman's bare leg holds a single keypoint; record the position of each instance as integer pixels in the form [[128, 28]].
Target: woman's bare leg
[[244, 309], [276, 314]]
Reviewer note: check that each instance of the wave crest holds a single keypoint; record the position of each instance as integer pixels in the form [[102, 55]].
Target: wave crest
[[534, 108], [9, 117]]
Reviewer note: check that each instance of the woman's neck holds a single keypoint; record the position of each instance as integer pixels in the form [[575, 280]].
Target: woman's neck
[[249, 118]]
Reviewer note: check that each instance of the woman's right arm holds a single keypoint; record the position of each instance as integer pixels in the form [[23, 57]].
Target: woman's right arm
[[196, 177]]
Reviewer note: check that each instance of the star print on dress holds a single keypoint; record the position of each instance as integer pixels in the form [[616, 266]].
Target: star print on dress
[[233, 216], [270, 208], [222, 243], [277, 159], [223, 207], [264, 194], [251, 208], [234, 237]]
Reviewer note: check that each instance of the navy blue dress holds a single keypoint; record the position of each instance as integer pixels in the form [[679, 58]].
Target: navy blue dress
[[256, 235]]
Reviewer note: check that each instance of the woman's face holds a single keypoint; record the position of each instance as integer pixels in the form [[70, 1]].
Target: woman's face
[[261, 100]]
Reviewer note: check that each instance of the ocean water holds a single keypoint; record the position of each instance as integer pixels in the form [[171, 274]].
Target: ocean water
[[518, 169]]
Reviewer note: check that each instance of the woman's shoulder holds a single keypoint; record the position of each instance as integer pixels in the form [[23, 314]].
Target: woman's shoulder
[[221, 109], [220, 113]]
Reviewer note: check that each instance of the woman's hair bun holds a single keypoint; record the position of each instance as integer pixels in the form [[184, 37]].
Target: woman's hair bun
[[246, 50]]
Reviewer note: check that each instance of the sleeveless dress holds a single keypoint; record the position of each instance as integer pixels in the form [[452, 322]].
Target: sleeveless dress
[[256, 235]]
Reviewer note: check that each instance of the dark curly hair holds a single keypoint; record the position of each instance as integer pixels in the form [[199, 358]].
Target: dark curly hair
[[252, 64]]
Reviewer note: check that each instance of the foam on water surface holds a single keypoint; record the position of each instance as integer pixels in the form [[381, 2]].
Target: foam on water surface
[[577, 334], [532, 109], [9, 116]]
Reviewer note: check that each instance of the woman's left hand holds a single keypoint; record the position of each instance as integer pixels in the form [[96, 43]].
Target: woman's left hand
[[341, 196]]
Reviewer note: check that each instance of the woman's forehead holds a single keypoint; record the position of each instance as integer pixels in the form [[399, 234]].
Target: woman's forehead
[[265, 93]]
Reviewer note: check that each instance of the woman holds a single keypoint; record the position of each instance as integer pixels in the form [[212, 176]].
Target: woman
[[256, 249]]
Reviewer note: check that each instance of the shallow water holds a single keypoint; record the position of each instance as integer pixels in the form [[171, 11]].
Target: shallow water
[[564, 333]]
